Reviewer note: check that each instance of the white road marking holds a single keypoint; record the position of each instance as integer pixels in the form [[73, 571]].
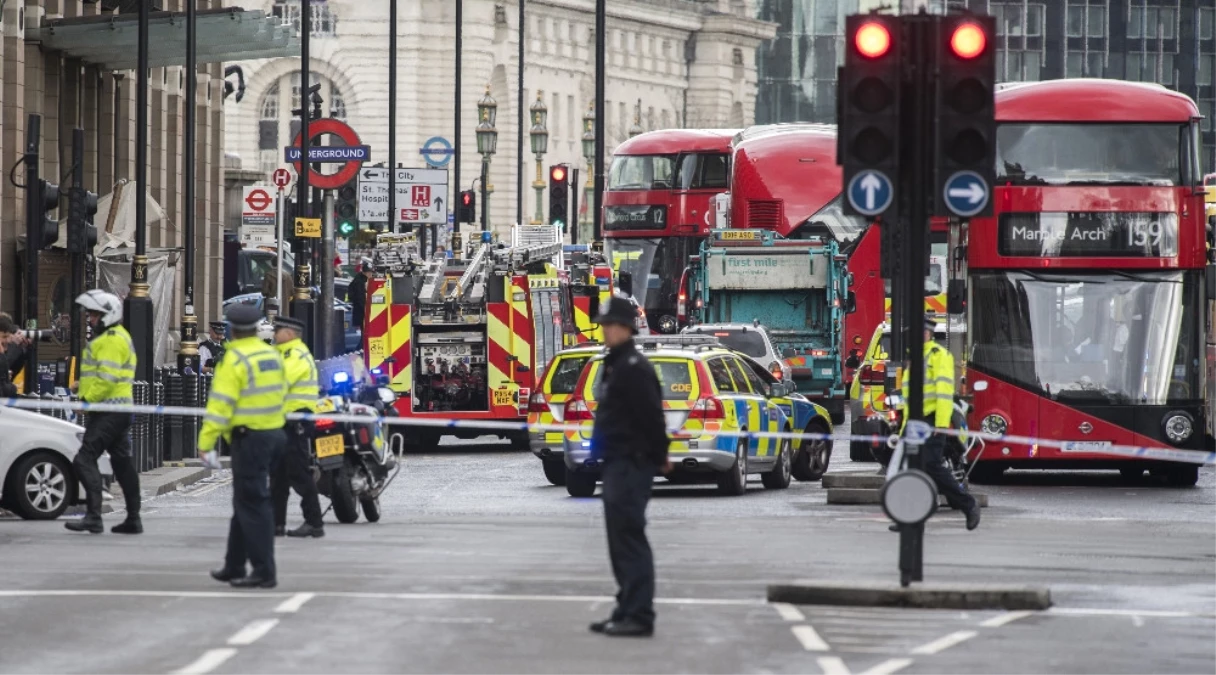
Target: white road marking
[[1156, 614], [833, 665], [889, 666], [810, 639], [255, 631], [294, 603], [1007, 617], [788, 611], [944, 643], [209, 661]]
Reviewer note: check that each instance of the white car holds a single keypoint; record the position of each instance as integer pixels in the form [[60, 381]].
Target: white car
[[37, 479], [752, 340]]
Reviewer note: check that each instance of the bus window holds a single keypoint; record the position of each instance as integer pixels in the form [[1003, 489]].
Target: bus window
[[704, 172], [642, 172]]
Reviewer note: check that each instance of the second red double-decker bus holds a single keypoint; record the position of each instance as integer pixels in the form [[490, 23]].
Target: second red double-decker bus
[[1087, 309], [658, 207]]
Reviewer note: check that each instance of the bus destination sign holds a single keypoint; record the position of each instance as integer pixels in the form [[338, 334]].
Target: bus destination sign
[[1088, 235], [635, 217]]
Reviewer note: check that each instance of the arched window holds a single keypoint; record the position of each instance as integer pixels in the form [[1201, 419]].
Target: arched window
[[278, 126]]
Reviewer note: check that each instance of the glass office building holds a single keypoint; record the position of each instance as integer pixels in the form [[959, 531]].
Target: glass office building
[[1172, 42]]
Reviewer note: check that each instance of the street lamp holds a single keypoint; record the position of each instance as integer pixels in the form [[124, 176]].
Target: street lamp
[[540, 145], [589, 155], [487, 144]]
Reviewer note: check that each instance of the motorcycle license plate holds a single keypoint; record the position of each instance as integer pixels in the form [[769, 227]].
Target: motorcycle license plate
[[329, 446]]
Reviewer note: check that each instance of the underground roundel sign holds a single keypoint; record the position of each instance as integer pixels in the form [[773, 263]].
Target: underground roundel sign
[[351, 156]]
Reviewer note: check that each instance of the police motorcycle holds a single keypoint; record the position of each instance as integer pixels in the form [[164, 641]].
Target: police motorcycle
[[355, 460], [958, 450]]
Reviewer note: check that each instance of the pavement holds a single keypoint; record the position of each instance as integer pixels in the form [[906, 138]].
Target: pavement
[[479, 565]]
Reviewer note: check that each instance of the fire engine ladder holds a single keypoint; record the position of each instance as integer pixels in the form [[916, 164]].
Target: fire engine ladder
[[432, 280], [473, 279], [519, 256]]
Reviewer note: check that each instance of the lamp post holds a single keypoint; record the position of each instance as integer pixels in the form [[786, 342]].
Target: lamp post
[[589, 155], [540, 145], [487, 144]]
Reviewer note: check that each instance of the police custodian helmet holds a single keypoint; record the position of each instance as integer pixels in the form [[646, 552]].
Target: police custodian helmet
[[619, 311]]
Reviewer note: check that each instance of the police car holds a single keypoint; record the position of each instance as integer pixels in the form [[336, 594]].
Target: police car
[[548, 406], [709, 390]]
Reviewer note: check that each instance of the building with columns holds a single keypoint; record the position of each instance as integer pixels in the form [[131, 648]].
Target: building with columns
[[73, 62], [690, 63]]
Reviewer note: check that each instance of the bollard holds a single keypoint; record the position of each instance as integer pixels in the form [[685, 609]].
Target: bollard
[[191, 398], [158, 427]]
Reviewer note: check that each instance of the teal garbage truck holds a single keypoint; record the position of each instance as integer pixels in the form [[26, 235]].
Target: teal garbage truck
[[788, 297]]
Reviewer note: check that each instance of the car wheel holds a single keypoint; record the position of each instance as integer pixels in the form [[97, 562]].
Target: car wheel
[[40, 486], [521, 442], [812, 461], [555, 471], [734, 481], [580, 484], [779, 477]]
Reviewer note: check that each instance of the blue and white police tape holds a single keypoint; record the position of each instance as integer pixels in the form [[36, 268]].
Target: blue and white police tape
[[1202, 457]]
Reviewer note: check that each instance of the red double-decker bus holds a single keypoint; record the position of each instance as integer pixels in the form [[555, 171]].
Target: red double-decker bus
[[658, 207], [1086, 286]]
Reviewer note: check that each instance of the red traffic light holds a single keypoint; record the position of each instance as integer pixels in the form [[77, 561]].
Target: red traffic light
[[968, 41], [557, 174], [466, 198], [872, 40]]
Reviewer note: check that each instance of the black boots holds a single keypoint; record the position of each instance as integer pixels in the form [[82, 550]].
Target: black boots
[[129, 526], [91, 524], [307, 530]]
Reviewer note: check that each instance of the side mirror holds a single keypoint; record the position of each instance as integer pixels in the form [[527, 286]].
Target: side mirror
[[853, 361], [850, 303], [956, 297], [625, 283]]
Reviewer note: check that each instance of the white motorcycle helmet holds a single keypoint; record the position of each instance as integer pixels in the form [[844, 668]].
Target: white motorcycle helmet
[[266, 331], [107, 304]]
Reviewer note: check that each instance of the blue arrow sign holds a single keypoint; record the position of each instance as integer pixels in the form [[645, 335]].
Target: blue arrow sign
[[966, 193], [332, 154], [870, 192], [437, 151]]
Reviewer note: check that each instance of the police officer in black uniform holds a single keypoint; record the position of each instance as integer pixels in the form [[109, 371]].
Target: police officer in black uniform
[[211, 349], [630, 435]]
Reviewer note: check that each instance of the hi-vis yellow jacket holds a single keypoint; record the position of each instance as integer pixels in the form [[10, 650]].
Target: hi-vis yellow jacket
[[249, 390], [301, 371], [939, 386], [107, 367]]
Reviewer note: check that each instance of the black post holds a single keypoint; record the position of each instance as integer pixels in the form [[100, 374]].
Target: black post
[[575, 188], [188, 357], [391, 210], [33, 227], [303, 308], [138, 307], [456, 111], [519, 130], [76, 258], [485, 207], [601, 39]]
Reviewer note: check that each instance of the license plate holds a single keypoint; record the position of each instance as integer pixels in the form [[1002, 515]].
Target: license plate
[[1084, 446], [503, 397], [329, 446]]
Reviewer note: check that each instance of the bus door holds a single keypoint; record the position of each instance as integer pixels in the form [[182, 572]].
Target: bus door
[[700, 178]]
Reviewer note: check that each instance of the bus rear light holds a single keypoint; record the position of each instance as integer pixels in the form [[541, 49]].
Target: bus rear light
[[707, 409], [577, 411]]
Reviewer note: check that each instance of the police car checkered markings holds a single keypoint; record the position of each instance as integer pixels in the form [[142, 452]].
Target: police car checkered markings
[[1203, 457]]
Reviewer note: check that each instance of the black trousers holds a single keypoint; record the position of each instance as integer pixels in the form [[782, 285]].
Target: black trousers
[[933, 462], [627, 487], [294, 470], [251, 531], [107, 432]]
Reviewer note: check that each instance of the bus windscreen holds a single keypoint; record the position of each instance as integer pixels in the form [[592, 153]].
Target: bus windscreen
[[1090, 154]]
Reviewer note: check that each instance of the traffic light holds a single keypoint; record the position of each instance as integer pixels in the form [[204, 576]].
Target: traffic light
[[48, 227], [82, 233], [559, 195], [466, 210], [965, 151], [868, 93], [346, 210]]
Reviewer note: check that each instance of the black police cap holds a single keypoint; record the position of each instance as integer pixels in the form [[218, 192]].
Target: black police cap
[[288, 322]]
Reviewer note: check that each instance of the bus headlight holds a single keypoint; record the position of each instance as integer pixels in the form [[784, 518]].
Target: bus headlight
[[995, 425], [1178, 427]]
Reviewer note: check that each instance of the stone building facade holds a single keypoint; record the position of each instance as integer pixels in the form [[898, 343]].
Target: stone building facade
[[69, 92], [689, 62]]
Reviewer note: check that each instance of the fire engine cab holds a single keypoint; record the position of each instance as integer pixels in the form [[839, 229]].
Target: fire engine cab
[[466, 339]]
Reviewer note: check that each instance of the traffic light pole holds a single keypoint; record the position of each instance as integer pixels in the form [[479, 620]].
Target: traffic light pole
[[456, 154], [33, 226], [601, 40], [188, 355], [303, 308], [77, 224], [137, 310], [575, 188], [324, 346]]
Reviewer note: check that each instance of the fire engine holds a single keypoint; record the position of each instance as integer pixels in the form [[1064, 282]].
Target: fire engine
[[464, 340]]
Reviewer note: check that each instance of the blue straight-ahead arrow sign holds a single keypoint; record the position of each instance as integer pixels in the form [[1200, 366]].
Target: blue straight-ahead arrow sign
[[330, 154]]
